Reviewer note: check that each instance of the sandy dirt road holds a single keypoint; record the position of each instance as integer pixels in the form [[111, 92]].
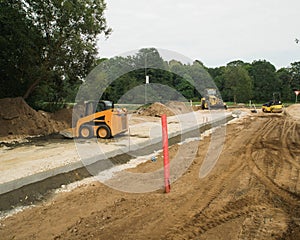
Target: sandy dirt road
[[252, 193]]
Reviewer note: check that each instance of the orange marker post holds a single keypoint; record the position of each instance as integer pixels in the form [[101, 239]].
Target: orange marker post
[[166, 152]]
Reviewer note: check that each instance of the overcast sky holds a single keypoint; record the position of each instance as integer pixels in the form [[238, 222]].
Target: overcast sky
[[212, 31]]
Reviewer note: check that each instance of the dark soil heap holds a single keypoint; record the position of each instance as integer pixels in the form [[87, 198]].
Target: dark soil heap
[[17, 118]]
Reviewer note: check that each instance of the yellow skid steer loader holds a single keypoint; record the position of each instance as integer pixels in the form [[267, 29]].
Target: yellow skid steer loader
[[96, 119]]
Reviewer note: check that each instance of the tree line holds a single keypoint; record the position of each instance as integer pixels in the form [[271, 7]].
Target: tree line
[[240, 82], [237, 82], [48, 48]]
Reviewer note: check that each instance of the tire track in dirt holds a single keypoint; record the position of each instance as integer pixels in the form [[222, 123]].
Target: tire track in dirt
[[290, 137], [268, 128], [254, 158], [199, 223], [205, 219], [102, 222], [219, 183], [264, 225], [202, 223], [286, 141]]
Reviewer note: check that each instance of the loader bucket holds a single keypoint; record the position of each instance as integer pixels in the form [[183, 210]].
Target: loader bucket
[[67, 133]]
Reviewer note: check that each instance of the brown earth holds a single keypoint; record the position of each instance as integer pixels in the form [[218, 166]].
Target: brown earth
[[253, 192], [18, 119], [170, 109], [179, 107]]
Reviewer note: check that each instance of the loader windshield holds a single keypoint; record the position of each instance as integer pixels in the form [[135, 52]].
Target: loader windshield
[[104, 105]]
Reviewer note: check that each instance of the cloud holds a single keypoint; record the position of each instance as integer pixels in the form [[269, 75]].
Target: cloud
[[214, 32]]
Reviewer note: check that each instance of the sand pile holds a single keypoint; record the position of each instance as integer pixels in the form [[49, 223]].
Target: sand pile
[[156, 110], [17, 118], [293, 111], [170, 109], [179, 107]]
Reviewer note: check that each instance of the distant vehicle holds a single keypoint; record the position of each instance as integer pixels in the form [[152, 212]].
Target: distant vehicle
[[211, 100], [273, 106], [97, 119]]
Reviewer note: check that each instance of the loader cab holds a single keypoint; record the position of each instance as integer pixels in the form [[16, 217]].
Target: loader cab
[[94, 106], [104, 105]]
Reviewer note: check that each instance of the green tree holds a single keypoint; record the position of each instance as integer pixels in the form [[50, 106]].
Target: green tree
[[218, 76], [178, 81], [236, 63], [149, 58], [20, 47], [59, 42], [285, 83], [294, 70], [265, 80], [238, 83]]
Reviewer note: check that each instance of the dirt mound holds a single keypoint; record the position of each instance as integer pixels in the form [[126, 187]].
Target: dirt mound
[[179, 107], [156, 110], [170, 109], [17, 118], [63, 115], [293, 111]]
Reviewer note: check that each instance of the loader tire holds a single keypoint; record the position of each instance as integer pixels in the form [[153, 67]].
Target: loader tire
[[86, 132], [103, 132]]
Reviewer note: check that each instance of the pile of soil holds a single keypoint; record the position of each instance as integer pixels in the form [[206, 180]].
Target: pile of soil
[[156, 110], [17, 118], [293, 111], [179, 107], [63, 115], [170, 109]]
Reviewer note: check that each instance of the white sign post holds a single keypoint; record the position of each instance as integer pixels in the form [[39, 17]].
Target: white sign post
[[147, 82], [297, 93]]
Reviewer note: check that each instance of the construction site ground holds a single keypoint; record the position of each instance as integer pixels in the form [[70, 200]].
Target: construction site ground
[[253, 192]]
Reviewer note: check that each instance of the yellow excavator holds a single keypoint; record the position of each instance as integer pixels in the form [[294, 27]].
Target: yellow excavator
[[96, 119], [211, 100]]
